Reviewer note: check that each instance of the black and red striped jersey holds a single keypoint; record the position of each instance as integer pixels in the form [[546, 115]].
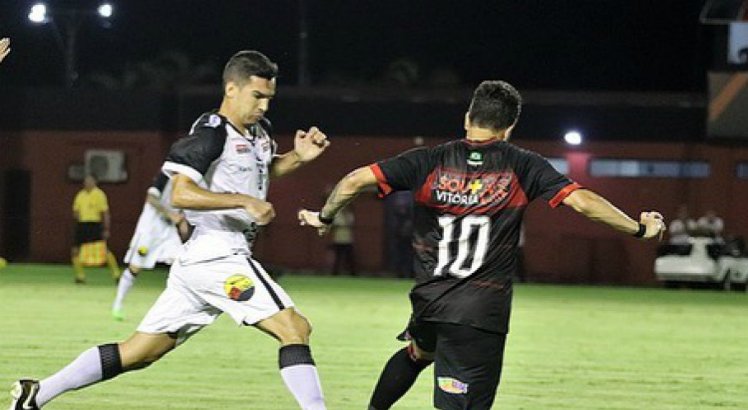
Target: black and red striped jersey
[[469, 201]]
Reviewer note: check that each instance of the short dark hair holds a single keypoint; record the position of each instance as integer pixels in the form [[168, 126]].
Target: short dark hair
[[247, 63], [495, 105]]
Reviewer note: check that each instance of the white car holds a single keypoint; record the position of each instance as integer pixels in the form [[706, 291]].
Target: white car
[[702, 260]]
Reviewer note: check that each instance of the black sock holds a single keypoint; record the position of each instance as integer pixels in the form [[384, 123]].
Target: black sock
[[111, 364], [398, 375], [292, 355]]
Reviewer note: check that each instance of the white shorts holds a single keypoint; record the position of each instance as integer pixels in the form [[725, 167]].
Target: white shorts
[[149, 246], [197, 293]]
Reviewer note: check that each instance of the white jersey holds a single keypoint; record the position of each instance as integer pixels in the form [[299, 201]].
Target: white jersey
[[156, 239], [219, 158]]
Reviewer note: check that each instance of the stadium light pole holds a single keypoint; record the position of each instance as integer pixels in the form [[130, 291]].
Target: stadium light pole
[[71, 19]]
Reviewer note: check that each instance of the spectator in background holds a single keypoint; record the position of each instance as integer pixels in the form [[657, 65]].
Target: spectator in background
[[342, 242], [4, 48], [91, 214], [711, 225], [682, 227]]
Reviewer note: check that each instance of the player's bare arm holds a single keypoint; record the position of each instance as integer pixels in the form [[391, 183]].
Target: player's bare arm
[[308, 145], [155, 202], [597, 208], [186, 194], [4, 48], [345, 191]]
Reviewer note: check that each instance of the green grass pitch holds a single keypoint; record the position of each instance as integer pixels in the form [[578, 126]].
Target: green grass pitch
[[570, 347]]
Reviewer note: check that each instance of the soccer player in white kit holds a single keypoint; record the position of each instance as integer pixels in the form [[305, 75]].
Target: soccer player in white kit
[[220, 174], [158, 238]]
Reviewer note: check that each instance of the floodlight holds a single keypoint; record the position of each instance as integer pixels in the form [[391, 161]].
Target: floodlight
[[573, 138], [106, 10], [38, 13]]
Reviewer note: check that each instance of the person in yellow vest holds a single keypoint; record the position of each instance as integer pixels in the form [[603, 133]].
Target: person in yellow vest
[[91, 214]]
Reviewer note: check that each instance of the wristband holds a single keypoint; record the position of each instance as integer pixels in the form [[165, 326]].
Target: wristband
[[642, 230], [325, 220]]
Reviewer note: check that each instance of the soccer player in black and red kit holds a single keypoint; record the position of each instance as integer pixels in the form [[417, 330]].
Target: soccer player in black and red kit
[[470, 195]]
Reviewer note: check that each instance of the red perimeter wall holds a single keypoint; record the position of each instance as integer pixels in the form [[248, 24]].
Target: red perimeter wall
[[561, 246]]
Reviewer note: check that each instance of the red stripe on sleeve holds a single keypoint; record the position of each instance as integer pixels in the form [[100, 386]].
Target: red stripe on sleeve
[[563, 193], [384, 187]]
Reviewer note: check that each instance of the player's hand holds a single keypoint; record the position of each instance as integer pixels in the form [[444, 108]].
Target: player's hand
[[655, 224], [311, 218], [308, 145], [261, 211], [4, 48]]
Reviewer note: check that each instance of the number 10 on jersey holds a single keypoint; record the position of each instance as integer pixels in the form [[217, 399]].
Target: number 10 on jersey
[[469, 244]]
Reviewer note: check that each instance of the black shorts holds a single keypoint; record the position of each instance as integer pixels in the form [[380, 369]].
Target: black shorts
[[467, 363], [86, 232]]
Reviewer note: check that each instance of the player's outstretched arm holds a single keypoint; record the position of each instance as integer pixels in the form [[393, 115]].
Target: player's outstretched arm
[[155, 202], [4, 48], [597, 208], [344, 192], [308, 145], [187, 195]]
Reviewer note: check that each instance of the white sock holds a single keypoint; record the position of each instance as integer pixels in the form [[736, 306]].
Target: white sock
[[303, 382], [125, 284], [81, 372]]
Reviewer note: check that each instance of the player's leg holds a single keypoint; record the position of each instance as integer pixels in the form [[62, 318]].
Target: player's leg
[[246, 292], [403, 368], [297, 367], [271, 310], [78, 239], [94, 365], [80, 274], [141, 254], [467, 367], [111, 262], [175, 316], [126, 281]]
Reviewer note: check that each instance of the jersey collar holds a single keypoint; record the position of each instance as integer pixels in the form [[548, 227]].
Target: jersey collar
[[482, 143]]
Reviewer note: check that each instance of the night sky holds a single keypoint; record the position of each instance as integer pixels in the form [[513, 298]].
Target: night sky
[[535, 44]]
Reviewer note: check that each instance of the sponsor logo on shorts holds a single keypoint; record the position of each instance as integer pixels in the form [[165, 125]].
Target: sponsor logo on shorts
[[239, 288], [451, 385]]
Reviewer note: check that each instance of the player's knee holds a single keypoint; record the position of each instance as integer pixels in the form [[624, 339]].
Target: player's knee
[[301, 328], [295, 331]]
